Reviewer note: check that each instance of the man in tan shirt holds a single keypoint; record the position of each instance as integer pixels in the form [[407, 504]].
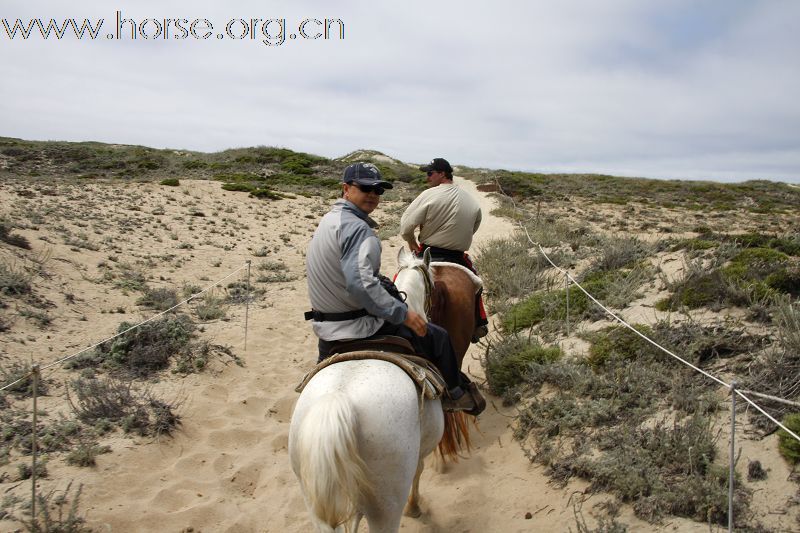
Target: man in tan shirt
[[447, 217]]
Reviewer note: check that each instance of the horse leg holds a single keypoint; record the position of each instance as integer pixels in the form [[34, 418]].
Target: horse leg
[[412, 506]]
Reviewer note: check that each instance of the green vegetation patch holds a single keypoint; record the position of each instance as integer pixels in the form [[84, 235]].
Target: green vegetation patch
[[753, 274], [788, 445], [508, 362], [603, 420], [618, 343]]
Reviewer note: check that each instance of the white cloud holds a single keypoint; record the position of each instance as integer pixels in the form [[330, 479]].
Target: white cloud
[[682, 89]]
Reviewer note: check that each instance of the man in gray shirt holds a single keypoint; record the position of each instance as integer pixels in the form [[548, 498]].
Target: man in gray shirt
[[347, 299]]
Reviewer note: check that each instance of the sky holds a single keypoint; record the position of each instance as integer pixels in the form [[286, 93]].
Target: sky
[[678, 89]]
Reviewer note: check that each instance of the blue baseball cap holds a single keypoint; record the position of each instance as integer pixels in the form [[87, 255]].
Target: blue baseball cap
[[365, 174]]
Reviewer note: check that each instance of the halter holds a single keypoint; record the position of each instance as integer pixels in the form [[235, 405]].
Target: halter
[[428, 281]]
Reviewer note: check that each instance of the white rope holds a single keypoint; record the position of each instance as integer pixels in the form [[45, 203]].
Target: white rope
[[654, 343], [190, 298], [763, 412]]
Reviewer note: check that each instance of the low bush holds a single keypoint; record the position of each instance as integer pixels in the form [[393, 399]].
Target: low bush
[[508, 361], [160, 299], [170, 182], [14, 281], [19, 371], [7, 236], [510, 268], [111, 400], [143, 350], [618, 343], [788, 445]]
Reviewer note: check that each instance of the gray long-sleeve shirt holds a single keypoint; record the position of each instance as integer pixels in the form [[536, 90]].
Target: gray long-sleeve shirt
[[342, 266]]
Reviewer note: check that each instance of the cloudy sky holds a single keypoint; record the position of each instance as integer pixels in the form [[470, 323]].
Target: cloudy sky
[[685, 89]]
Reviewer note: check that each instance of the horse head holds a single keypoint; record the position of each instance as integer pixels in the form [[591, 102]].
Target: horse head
[[415, 278]]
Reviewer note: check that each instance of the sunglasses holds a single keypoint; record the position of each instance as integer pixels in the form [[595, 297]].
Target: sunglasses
[[377, 189], [431, 172]]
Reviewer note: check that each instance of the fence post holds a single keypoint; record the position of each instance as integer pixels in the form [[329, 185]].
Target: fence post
[[35, 379], [247, 305], [732, 457], [566, 289]]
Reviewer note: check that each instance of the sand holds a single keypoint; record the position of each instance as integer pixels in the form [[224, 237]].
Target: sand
[[227, 468]]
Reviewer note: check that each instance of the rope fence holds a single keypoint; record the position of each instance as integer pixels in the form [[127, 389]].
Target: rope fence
[[731, 386], [157, 315], [35, 372]]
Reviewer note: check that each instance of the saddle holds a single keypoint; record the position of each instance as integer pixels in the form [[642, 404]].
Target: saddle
[[383, 343], [427, 377]]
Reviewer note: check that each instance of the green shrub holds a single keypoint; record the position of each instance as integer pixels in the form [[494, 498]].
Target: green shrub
[[147, 348], [266, 194], [619, 343], [695, 291], [507, 362], [210, 308], [238, 187], [6, 236], [13, 280], [160, 299], [86, 453], [111, 400], [170, 182], [552, 306], [788, 445], [755, 264], [786, 280]]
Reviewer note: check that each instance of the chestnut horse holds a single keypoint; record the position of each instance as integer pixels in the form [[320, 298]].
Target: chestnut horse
[[444, 292]]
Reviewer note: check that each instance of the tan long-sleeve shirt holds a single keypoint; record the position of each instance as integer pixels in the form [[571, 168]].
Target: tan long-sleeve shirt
[[447, 217]]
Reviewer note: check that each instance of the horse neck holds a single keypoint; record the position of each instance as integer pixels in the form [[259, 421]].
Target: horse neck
[[411, 282]]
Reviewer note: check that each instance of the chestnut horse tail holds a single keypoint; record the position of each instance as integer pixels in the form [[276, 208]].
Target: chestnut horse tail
[[455, 438], [332, 474]]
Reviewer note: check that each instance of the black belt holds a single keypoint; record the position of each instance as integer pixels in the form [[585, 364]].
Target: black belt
[[334, 317], [454, 256]]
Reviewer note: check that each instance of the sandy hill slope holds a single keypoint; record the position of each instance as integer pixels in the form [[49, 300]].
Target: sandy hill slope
[[226, 468]]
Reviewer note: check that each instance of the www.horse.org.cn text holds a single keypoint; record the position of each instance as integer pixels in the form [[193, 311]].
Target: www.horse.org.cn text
[[269, 31]]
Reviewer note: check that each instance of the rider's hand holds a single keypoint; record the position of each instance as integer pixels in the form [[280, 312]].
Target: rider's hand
[[417, 323]]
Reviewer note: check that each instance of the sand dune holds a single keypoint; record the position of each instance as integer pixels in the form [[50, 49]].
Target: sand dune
[[227, 468]]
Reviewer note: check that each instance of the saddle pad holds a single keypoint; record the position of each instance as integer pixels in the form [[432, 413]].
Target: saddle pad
[[421, 371]]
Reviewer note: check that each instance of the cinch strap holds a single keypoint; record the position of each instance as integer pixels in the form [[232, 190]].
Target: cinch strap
[[334, 317]]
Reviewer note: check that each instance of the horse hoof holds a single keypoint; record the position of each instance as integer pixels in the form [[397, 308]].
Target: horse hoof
[[412, 511]]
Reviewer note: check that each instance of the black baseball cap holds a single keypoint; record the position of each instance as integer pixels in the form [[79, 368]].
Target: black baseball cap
[[438, 165], [365, 174]]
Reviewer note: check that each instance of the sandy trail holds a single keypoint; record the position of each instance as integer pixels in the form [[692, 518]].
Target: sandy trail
[[227, 468]]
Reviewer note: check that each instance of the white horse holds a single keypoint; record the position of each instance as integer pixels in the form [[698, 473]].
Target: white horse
[[358, 439], [357, 443]]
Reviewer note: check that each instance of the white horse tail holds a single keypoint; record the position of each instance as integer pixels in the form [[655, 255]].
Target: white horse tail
[[333, 476]]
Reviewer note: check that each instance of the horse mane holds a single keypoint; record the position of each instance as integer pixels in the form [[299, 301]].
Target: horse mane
[[411, 261]]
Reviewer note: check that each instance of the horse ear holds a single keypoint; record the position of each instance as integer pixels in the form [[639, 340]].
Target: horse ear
[[426, 257], [400, 254]]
